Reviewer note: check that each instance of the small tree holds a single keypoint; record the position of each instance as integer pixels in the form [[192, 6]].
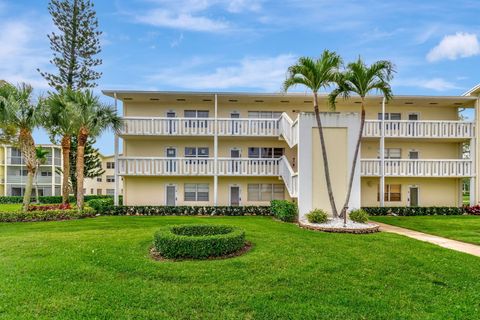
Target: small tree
[[315, 75], [360, 79], [41, 156], [17, 111], [75, 46]]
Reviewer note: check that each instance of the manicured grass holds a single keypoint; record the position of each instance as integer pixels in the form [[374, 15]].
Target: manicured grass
[[100, 268], [462, 228], [9, 207]]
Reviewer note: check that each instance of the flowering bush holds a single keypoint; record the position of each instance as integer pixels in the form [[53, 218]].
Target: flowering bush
[[49, 207], [475, 210]]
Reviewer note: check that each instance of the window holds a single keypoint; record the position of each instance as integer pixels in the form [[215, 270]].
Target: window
[[110, 192], [266, 192], [99, 179], [99, 192], [264, 114], [110, 165], [390, 116], [46, 173], [192, 152], [91, 191], [392, 153], [255, 152], [393, 192], [196, 113], [196, 192], [110, 178], [84, 191]]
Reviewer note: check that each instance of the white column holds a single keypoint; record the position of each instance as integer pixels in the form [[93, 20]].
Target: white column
[[5, 170], [117, 183], [215, 155], [52, 181], [382, 157]]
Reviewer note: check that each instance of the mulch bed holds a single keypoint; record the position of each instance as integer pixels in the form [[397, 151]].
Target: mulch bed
[[247, 247], [374, 228]]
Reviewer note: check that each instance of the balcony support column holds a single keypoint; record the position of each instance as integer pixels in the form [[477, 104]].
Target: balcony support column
[[215, 154], [382, 157], [117, 183]]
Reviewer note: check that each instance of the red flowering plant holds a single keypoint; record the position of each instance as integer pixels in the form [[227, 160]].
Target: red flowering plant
[[49, 207], [475, 210]]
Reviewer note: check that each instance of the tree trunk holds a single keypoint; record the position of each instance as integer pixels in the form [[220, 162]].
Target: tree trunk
[[82, 140], [66, 144], [354, 164], [324, 155], [27, 147]]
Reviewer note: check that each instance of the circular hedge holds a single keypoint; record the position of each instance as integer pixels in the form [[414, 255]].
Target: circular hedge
[[198, 241]]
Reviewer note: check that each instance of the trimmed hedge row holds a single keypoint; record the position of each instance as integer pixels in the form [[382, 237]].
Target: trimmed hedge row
[[198, 241], [51, 199], [284, 210], [49, 215], [414, 211], [185, 211]]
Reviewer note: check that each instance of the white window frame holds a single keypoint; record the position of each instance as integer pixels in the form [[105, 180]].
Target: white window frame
[[196, 192]]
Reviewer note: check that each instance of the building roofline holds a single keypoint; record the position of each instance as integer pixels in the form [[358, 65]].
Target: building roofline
[[475, 89]]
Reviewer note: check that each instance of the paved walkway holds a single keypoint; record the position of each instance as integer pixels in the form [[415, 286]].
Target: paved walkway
[[439, 241]]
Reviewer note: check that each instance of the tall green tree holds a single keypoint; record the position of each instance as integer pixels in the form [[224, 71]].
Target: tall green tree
[[360, 79], [17, 111], [92, 119], [316, 74], [41, 155], [75, 46], [58, 116]]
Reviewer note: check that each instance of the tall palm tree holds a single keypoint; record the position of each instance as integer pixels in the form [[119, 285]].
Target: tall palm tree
[[17, 111], [41, 157], [316, 74], [91, 119], [360, 79], [58, 118]]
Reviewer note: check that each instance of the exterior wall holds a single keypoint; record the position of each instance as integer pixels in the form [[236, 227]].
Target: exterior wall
[[426, 149], [432, 191], [92, 183]]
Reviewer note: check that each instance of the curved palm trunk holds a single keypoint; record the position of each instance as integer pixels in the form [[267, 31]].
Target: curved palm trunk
[[82, 140], [66, 145], [27, 147], [354, 164], [324, 155]]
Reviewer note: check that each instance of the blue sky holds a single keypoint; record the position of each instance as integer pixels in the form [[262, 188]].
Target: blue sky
[[242, 45]]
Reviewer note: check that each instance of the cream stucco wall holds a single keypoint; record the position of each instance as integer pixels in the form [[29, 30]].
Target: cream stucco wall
[[91, 185], [427, 149]]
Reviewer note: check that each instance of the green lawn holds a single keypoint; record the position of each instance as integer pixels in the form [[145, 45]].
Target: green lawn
[[100, 268], [7, 207], [463, 228]]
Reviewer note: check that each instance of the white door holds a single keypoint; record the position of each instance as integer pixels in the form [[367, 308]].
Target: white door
[[234, 196], [235, 164], [235, 123], [171, 197], [171, 164], [413, 196], [172, 123]]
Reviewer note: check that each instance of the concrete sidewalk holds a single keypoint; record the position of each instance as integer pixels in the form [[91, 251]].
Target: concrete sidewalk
[[439, 241]]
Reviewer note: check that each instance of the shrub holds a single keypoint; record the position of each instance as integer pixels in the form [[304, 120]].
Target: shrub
[[284, 210], [52, 199], [47, 215], [317, 216], [198, 241], [49, 207], [473, 210], [187, 211], [413, 211], [359, 215], [100, 205]]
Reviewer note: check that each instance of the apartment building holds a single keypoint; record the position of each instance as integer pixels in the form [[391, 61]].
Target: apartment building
[[104, 184], [13, 172], [194, 148]]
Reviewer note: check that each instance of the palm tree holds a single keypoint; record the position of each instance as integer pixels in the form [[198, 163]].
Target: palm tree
[[360, 79], [58, 118], [91, 119], [316, 74], [17, 111], [41, 157]]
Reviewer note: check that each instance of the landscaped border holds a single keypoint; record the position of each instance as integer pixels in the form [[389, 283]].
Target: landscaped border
[[372, 229], [46, 215]]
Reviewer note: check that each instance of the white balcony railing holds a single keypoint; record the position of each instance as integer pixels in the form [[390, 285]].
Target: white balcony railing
[[288, 129], [150, 166], [247, 127], [418, 168], [167, 126], [248, 167], [420, 129], [289, 177]]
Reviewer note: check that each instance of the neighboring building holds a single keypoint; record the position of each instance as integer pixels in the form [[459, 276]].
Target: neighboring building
[[187, 148], [13, 173], [104, 184]]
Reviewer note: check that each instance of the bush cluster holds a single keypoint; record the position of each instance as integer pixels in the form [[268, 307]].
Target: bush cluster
[[198, 241], [186, 211], [47, 215], [47, 207], [50, 199], [317, 216], [284, 210], [473, 210], [413, 211], [359, 215], [100, 205]]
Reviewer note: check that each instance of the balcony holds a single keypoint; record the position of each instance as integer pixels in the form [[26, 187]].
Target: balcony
[[418, 168], [420, 129], [137, 126], [248, 167], [248, 127]]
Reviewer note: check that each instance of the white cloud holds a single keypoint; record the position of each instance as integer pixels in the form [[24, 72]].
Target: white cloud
[[452, 47], [265, 73], [436, 84]]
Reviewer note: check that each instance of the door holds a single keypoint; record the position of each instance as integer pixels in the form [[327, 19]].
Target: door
[[171, 164], [172, 123], [413, 196], [234, 195], [171, 198], [412, 126], [235, 164], [235, 123], [413, 155]]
